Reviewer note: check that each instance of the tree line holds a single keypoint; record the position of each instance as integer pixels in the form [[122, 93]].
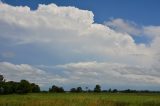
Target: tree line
[[25, 86], [21, 87], [57, 89]]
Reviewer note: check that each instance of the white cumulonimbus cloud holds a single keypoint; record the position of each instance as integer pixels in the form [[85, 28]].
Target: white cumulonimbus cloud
[[73, 32]]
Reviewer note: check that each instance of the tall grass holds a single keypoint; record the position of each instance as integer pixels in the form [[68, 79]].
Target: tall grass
[[81, 99]]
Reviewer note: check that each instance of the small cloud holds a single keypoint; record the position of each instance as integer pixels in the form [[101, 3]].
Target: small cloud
[[132, 28], [153, 31], [124, 26], [141, 34]]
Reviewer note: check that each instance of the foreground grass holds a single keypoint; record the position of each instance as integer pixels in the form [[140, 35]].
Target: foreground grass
[[81, 99]]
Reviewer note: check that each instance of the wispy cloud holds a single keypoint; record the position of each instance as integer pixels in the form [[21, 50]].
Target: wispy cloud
[[116, 73], [124, 26], [132, 28]]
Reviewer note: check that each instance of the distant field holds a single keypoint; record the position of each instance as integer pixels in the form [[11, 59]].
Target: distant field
[[81, 99]]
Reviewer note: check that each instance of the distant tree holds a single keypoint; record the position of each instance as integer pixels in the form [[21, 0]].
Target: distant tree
[[44, 91], [53, 89], [24, 87], [1, 78], [110, 90], [7, 88], [10, 87], [73, 90], [2, 82], [79, 89], [115, 91], [61, 90], [89, 90], [127, 91], [13, 86], [56, 89], [130, 91], [105, 91], [86, 89], [35, 88], [97, 88]]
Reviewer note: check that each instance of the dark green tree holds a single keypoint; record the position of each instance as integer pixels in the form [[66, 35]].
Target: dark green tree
[[7, 88], [2, 78], [110, 90], [10, 87], [97, 88], [35, 88], [2, 82], [17, 87], [79, 89], [115, 91], [24, 87], [56, 89], [73, 90]]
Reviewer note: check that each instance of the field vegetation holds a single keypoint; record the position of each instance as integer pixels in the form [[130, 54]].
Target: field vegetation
[[81, 99]]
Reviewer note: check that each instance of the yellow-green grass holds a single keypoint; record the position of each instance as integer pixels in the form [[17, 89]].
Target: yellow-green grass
[[81, 99]]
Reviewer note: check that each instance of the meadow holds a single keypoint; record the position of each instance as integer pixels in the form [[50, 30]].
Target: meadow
[[81, 99]]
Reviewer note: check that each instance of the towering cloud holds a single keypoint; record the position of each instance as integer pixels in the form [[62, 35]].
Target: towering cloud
[[71, 32]]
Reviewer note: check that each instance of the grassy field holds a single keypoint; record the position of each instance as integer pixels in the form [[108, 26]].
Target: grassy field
[[81, 99]]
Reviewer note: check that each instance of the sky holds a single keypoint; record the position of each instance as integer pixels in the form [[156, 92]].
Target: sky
[[74, 43]]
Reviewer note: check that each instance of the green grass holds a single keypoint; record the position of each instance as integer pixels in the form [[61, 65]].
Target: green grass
[[81, 99]]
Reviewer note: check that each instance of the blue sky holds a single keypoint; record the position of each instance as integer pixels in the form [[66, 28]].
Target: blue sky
[[81, 43], [143, 12]]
